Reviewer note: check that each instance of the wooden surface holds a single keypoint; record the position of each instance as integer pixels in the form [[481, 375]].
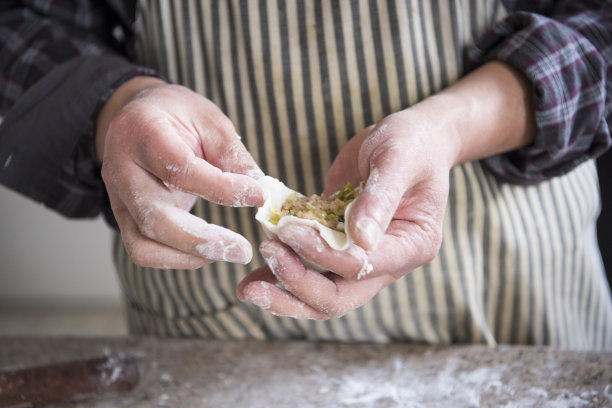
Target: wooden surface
[[192, 373]]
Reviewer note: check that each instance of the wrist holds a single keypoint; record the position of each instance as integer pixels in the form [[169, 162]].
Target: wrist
[[125, 93], [487, 112], [444, 114]]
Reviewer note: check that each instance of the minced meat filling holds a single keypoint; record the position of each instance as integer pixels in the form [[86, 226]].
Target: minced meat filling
[[328, 211]]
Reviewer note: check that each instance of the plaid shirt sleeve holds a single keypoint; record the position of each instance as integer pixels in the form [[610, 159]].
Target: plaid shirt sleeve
[[59, 61], [565, 49]]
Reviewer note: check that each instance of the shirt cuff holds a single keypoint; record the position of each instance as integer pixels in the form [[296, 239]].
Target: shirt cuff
[[47, 138], [568, 76]]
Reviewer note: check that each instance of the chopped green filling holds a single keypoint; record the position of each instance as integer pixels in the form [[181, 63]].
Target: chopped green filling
[[328, 211], [275, 217]]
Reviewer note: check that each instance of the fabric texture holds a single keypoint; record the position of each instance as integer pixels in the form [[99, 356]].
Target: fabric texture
[[59, 62], [566, 55], [499, 276]]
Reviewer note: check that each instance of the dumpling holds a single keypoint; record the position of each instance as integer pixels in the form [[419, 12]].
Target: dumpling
[[328, 216]]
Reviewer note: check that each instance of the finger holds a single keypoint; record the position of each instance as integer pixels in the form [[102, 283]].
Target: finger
[[308, 244], [259, 287], [149, 205], [278, 302], [235, 158], [194, 235], [148, 253], [344, 168], [223, 146], [262, 273], [387, 181], [404, 247], [332, 296], [172, 160]]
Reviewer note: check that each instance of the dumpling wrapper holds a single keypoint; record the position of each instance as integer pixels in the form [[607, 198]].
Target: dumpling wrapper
[[276, 194]]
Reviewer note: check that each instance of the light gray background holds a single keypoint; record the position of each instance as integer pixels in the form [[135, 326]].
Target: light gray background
[[46, 258]]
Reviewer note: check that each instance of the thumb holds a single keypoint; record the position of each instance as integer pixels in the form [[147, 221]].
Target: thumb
[[235, 158], [380, 159], [232, 157]]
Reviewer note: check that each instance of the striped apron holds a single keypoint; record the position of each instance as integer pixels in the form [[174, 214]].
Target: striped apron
[[298, 78]]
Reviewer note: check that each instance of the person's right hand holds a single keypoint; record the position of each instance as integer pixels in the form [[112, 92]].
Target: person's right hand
[[161, 146]]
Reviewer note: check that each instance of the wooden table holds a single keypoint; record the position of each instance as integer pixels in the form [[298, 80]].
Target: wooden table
[[195, 373]]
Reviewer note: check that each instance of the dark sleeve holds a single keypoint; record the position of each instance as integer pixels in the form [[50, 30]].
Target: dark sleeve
[[59, 62], [565, 49]]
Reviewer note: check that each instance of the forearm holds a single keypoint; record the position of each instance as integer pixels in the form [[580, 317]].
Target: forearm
[[58, 66], [46, 139], [562, 48], [487, 112]]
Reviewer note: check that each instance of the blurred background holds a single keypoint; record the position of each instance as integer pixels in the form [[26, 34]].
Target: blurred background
[[56, 275]]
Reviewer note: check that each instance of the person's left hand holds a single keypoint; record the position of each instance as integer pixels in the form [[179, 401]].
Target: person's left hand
[[396, 224]]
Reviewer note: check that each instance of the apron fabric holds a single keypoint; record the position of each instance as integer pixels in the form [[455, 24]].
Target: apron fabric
[[298, 79]]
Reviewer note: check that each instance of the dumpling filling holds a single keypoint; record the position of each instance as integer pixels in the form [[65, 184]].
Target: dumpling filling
[[328, 211]]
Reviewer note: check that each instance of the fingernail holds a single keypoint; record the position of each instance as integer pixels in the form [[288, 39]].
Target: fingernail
[[239, 255], [262, 302], [370, 232], [254, 296], [253, 196]]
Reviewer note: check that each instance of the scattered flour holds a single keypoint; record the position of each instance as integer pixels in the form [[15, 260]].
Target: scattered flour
[[366, 269], [398, 382]]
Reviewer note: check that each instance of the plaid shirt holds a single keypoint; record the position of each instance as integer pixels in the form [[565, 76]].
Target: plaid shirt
[[61, 60]]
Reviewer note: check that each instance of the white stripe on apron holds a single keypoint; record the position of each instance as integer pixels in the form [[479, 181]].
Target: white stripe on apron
[[298, 78]]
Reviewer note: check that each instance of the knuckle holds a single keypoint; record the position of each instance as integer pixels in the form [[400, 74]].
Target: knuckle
[[435, 242], [430, 254], [138, 253], [224, 125], [175, 175], [220, 123], [122, 120], [235, 152], [131, 120], [148, 219]]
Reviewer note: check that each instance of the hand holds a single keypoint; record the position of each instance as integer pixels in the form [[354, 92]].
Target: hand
[[161, 146], [396, 223], [404, 196]]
